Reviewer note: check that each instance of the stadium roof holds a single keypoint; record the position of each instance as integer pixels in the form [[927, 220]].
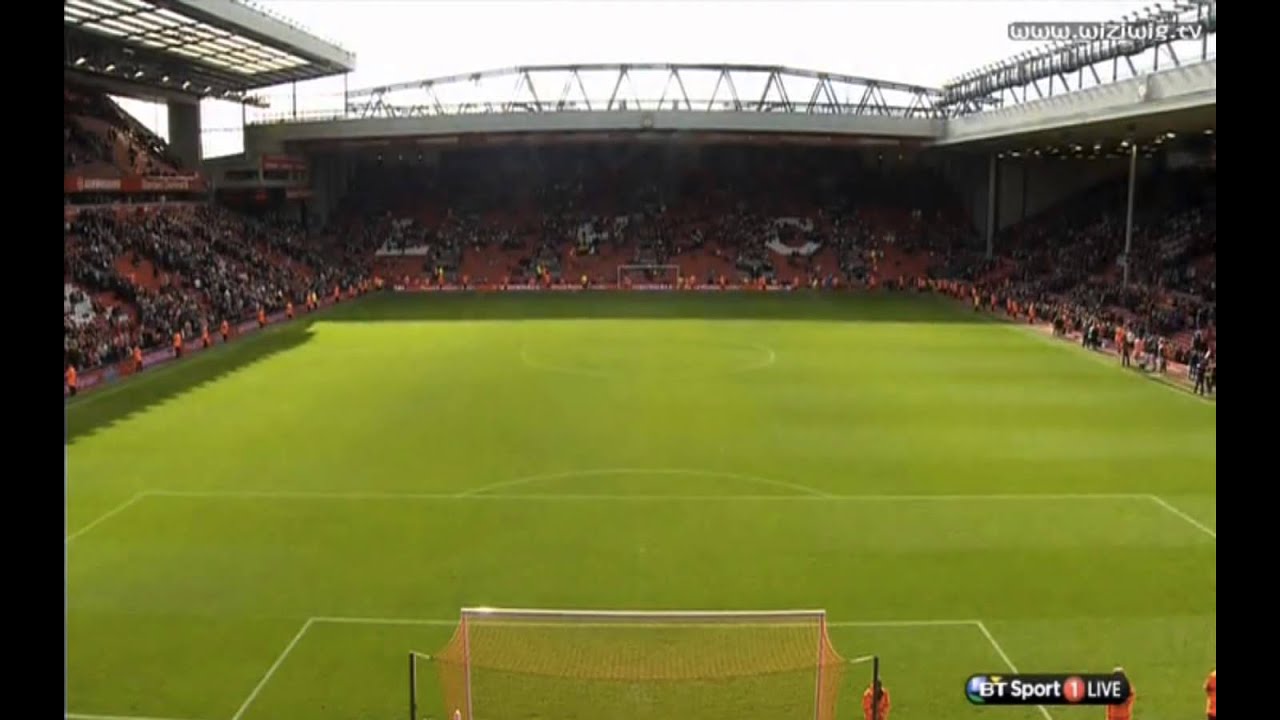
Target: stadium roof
[[205, 48]]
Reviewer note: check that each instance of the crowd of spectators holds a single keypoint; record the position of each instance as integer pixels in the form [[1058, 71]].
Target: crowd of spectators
[[210, 265], [764, 212], [1069, 263], [649, 205]]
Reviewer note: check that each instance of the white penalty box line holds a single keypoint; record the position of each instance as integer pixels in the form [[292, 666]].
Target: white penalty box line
[[275, 666], [472, 496], [978, 625]]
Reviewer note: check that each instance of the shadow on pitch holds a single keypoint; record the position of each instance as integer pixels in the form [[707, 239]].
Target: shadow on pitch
[[905, 307], [101, 409]]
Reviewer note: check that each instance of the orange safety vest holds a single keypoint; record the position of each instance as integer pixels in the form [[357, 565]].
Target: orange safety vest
[[868, 695], [288, 309], [1211, 689], [1124, 711], [71, 376], [225, 328], [262, 316], [177, 340]]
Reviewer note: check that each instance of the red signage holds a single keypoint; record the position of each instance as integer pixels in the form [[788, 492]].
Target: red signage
[[133, 184], [283, 162]]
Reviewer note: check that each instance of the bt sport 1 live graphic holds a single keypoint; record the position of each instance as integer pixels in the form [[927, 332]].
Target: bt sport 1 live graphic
[[1063, 689]]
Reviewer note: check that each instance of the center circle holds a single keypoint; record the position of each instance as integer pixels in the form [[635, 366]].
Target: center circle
[[626, 357]]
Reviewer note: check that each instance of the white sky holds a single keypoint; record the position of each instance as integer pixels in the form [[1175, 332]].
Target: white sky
[[921, 42]]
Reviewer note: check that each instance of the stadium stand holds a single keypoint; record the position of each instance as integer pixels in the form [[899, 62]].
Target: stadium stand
[[1065, 260], [792, 217], [135, 274], [100, 139], [787, 216], [152, 274]]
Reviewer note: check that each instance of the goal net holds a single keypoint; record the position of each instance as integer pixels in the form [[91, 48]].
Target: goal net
[[587, 665], [648, 276]]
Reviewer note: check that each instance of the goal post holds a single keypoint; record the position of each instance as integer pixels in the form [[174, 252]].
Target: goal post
[[627, 665], [648, 276]]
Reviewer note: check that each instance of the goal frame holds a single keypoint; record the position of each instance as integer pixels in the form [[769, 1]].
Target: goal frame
[[663, 616], [668, 266]]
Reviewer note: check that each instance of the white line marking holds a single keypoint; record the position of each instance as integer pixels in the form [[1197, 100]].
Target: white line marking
[[644, 471], [1165, 504], [468, 496], [1007, 660], [272, 670], [91, 716], [450, 622], [106, 516], [770, 359]]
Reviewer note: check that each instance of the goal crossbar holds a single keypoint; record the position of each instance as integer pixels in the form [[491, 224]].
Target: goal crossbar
[[643, 614]]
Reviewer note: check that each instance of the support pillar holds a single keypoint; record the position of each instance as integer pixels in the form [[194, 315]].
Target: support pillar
[[991, 206], [184, 132], [1128, 217]]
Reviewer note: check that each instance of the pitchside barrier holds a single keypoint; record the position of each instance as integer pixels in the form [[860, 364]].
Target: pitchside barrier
[[98, 378], [567, 287], [589, 664]]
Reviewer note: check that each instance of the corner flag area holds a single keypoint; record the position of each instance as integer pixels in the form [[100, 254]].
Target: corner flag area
[[266, 530]]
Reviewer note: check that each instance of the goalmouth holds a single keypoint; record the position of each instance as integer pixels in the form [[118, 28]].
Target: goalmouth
[[649, 277], [636, 665]]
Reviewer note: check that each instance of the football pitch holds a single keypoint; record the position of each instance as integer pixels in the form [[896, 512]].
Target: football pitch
[[265, 530]]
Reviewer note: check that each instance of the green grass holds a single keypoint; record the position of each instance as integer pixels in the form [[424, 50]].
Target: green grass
[[739, 449]]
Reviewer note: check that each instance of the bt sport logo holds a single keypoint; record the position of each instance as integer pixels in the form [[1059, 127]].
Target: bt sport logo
[[1064, 689]]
